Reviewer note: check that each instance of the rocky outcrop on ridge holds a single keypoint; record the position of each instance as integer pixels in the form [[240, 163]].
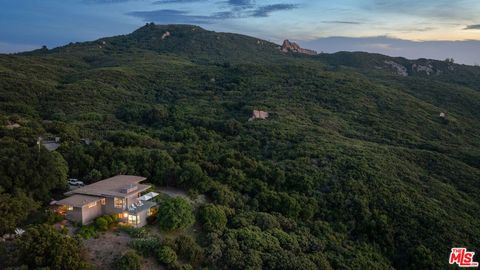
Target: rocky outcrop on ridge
[[289, 46]]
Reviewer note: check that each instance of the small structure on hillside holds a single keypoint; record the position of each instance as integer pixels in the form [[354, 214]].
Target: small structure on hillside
[[50, 145], [86, 141], [165, 35], [443, 115], [12, 125], [258, 115]]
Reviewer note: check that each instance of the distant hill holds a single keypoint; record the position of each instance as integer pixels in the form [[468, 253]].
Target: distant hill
[[364, 162], [460, 50], [186, 40]]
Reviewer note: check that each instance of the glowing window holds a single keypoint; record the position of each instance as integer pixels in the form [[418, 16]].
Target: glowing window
[[133, 219], [69, 208], [93, 204], [152, 211], [102, 201], [119, 203]]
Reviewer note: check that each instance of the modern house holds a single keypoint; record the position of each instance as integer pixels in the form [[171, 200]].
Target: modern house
[[121, 195]]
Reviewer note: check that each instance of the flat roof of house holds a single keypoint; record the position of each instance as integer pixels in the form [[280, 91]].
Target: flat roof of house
[[78, 200], [113, 186], [145, 206]]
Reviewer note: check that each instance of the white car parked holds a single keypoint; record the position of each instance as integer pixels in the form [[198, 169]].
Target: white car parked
[[75, 182]]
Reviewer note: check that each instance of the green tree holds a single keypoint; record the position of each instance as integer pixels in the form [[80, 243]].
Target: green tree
[[186, 267], [213, 218], [102, 223], [222, 194], [163, 166], [191, 174], [129, 261], [14, 209], [188, 249], [43, 246], [175, 213], [166, 255], [156, 115], [34, 170]]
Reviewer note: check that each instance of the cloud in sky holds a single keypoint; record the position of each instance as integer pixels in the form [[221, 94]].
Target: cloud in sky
[[472, 27], [160, 2], [264, 11], [233, 3], [241, 3], [107, 1], [341, 22], [171, 16], [180, 16]]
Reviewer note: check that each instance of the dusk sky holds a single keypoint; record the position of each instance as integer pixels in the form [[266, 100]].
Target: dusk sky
[[394, 27]]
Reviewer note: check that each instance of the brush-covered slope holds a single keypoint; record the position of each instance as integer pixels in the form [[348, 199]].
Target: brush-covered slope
[[354, 168], [190, 41]]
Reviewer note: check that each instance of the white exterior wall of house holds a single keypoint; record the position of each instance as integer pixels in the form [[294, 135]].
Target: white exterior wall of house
[[109, 207], [89, 213], [85, 214], [75, 214], [142, 218]]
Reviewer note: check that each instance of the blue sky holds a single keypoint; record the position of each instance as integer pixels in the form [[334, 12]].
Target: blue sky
[[395, 27]]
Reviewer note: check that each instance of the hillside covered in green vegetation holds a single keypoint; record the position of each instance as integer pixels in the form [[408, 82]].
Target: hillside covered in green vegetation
[[354, 168]]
